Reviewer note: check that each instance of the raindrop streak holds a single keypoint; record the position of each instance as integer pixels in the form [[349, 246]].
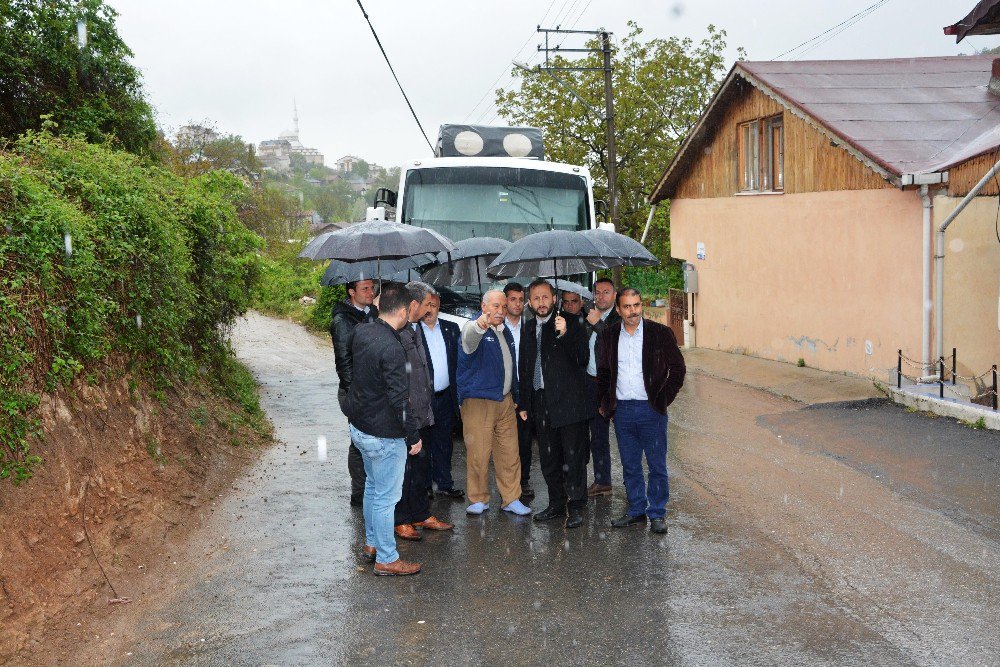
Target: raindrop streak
[[68, 242], [841, 495], [138, 321], [321, 448]]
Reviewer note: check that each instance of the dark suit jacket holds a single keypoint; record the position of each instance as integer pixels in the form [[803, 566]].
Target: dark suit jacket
[[662, 366], [452, 335], [564, 367]]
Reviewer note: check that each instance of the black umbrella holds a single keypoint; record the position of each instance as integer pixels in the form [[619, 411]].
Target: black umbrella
[[467, 264], [570, 286], [625, 248], [378, 240], [549, 255], [401, 270]]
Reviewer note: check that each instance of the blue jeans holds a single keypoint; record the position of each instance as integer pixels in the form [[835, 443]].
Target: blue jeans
[[385, 461], [642, 430]]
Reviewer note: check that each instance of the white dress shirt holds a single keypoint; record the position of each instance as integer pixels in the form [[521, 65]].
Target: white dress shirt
[[630, 385], [515, 331], [439, 355]]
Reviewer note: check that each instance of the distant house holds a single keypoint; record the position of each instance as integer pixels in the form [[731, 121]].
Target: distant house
[[347, 163], [806, 197]]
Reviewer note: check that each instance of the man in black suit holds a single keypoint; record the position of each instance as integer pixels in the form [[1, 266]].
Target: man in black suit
[[552, 370], [602, 316], [441, 340]]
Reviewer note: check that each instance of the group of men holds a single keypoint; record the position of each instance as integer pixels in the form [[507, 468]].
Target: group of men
[[557, 377]]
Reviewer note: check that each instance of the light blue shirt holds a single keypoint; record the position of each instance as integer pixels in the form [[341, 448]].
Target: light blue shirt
[[592, 364], [439, 355], [630, 386]]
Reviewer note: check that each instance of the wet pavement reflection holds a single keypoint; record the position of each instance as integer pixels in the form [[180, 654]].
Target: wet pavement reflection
[[834, 535]]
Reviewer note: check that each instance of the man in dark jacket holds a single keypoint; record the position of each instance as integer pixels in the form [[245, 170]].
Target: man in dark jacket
[[599, 318], [358, 307], [382, 425], [553, 365], [640, 369], [441, 340], [413, 509]]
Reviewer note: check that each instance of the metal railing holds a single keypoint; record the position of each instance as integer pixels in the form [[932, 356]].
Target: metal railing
[[941, 380]]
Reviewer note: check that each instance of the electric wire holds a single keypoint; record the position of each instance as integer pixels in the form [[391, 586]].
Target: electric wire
[[405, 97], [846, 23]]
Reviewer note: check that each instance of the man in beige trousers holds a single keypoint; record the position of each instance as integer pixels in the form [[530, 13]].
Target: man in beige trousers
[[487, 391]]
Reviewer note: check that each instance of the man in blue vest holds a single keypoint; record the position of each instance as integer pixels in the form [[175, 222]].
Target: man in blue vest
[[487, 392]]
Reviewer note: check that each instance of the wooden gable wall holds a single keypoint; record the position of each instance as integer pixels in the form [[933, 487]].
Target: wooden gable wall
[[963, 177], [811, 164]]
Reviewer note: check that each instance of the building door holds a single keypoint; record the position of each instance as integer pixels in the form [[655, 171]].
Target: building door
[[677, 304]]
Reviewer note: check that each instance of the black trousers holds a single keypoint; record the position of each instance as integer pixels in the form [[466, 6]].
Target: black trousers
[[414, 505], [356, 468], [525, 437], [563, 453], [438, 442]]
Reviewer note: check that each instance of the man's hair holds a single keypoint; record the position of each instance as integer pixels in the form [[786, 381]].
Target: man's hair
[[604, 280], [353, 285], [513, 287], [541, 281], [487, 293], [567, 292], [627, 291], [394, 296], [419, 290]]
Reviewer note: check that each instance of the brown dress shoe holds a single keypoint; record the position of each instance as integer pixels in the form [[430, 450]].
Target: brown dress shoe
[[596, 489], [368, 553], [397, 568], [433, 523], [406, 531]]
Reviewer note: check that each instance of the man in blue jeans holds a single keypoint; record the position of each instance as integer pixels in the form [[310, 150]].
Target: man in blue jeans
[[639, 372], [382, 426]]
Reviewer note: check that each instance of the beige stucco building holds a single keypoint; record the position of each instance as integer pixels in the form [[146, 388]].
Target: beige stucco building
[[808, 197]]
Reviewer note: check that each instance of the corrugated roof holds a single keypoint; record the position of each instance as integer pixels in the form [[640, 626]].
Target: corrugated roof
[[901, 116], [984, 19]]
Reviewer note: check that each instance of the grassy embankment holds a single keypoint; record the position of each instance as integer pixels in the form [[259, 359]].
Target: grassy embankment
[[113, 268]]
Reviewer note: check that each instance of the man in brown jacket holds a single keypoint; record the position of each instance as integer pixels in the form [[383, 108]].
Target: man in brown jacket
[[639, 372]]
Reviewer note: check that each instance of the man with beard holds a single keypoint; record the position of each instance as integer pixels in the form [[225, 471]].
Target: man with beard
[[554, 356], [600, 317], [514, 322]]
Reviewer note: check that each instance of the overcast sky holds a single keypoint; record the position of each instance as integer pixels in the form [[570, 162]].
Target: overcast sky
[[240, 64]]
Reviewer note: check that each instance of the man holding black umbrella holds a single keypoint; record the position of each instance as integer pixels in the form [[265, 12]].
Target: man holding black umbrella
[[554, 355], [600, 317], [358, 307]]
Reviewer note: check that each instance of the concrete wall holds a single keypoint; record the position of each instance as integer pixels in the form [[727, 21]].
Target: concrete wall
[[971, 283], [820, 276]]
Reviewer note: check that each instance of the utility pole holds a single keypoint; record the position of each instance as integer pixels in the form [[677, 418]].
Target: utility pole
[[609, 108]]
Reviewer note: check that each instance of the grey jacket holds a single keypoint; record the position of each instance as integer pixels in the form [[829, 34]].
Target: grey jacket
[[421, 383]]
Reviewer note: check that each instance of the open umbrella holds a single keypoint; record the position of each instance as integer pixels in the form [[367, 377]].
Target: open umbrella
[[549, 255], [401, 270], [467, 264], [570, 286], [623, 247], [378, 240]]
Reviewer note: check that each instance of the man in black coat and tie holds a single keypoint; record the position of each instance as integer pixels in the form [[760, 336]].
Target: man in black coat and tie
[[441, 341], [554, 352]]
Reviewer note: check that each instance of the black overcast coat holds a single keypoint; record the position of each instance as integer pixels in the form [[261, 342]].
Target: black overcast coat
[[564, 369]]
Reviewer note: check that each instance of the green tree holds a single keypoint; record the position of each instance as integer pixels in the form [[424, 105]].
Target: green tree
[[92, 90], [361, 169], [660, 88]]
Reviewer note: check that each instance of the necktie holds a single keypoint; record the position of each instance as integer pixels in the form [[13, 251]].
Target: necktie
[[537, 382]]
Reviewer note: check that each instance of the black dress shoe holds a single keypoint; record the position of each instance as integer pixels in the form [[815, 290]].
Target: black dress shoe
[[658, 526], [575, 519], [452, 493], [626, 521], [550, 512]]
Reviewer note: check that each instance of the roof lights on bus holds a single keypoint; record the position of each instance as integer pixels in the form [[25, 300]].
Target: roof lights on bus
[[469, 143]]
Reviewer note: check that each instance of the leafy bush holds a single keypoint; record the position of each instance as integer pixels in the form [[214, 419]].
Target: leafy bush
[[106, 261], [285, 279]]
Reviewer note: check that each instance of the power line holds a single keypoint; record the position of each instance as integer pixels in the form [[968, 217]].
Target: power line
[[506, 70], [846, 23], [379, 42]]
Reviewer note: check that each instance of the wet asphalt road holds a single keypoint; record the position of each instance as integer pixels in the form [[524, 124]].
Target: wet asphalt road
[[846, 534]]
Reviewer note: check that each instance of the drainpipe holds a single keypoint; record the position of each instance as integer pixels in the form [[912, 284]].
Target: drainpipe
[[652, 210], [925, 329], [939, 259]]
